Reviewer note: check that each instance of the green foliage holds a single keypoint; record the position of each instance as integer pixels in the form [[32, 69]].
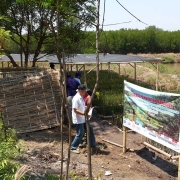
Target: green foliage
[[111, 89], [4, 35], [168, 58], [123, 41], [10, 148], [111, 92]]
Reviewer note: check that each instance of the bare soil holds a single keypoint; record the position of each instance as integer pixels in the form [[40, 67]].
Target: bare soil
[[43, 153]]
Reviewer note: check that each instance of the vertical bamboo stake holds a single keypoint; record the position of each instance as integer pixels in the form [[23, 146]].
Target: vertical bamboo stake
[[85, 78], [71, 67], [157, 75], [119, 69], [109, 67], [94, 90], [135, 71], [179, 169], [124, 139]]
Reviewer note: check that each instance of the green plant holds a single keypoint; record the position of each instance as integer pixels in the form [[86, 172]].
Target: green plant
[[74, 176], [10, 148], [168, 58]]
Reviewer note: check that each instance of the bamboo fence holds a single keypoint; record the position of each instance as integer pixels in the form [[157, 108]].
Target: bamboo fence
[[30, 100]]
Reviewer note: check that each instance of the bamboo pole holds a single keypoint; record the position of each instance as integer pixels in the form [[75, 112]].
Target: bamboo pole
[[71, 67], [135, 71], [112, 143], [157, 75], [109, 67], [156, 149], [118, 145], [175, 157], [124, 139], [179, 169], [119, 69], [85, 76]]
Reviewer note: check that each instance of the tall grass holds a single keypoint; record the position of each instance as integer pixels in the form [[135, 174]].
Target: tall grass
[[111, 91]]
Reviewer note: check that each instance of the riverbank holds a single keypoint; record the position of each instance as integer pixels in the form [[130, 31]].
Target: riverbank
[[146, 73], [170, 56]]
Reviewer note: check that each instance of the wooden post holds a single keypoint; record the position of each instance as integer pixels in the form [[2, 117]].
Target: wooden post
[[71, 67], [157, 75], [119, 69], [109, 67], [135, 71], [179, 169], [124, 139], [85, 78]]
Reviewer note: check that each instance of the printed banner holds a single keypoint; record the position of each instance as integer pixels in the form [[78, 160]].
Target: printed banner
[[153, 114]]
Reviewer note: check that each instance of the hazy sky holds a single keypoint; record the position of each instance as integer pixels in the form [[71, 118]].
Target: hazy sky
[[164, 14]]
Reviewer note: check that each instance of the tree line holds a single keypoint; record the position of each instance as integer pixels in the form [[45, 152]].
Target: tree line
[[123, 41]]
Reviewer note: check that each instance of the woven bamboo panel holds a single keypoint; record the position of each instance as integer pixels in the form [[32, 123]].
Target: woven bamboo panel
[[30, 99]]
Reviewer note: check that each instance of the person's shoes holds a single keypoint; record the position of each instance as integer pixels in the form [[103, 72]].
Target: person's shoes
[[83, 145], [76, 151]]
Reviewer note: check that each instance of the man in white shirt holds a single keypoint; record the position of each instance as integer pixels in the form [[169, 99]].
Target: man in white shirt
[[78, 118]]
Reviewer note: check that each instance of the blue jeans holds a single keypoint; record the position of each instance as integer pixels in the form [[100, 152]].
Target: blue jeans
[[80, 130]]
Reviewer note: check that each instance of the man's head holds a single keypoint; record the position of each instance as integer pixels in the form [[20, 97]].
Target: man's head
[[78, 74], [82, 89]]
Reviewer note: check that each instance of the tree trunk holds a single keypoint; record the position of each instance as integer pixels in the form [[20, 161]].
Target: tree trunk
[[11, 58]]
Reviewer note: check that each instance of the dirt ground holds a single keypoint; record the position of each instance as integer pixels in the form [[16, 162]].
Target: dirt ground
[[43, 150]]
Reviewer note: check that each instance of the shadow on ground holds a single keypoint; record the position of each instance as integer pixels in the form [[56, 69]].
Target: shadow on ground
[[163, 164]]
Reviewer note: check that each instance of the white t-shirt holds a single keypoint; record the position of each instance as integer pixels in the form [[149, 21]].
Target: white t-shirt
[[78, 103]]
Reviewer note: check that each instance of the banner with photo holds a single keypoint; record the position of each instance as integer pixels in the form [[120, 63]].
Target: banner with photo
[[153, 114]]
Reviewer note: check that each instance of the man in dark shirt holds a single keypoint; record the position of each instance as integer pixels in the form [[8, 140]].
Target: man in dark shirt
[[71, 87]]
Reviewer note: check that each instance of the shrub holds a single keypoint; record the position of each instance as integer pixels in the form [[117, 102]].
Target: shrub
[[9, 149], [168, 58]]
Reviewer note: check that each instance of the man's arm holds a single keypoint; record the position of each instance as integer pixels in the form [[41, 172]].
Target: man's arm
[[78, 111]]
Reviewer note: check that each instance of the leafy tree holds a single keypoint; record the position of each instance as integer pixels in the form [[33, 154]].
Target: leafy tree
[[32, 22]]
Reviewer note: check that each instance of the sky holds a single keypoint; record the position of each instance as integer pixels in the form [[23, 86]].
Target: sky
[[163, 14]]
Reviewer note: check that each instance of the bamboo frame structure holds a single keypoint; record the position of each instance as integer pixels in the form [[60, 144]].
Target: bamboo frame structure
[[30, 100]]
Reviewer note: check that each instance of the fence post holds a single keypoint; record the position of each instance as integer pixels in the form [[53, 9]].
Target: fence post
[[124, 139], [179, 169]]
